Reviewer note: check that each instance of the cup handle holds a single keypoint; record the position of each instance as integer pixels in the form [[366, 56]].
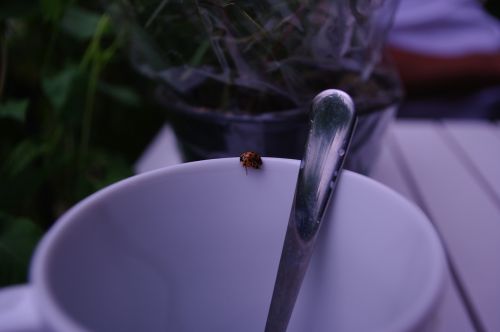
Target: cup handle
[[17, 310]]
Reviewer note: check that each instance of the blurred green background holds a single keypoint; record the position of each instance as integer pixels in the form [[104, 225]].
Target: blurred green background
[[74, 116]]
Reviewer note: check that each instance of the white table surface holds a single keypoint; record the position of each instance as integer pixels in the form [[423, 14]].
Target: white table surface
[[451, 169]]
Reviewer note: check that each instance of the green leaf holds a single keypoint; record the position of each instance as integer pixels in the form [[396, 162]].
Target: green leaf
[[58, 87], [18, 239], [14, 109], [52, 10], [79, 23], [22, 156], [197, 58], [122, 94]]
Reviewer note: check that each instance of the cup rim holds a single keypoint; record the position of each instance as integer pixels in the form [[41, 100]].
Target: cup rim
[[55, 316]]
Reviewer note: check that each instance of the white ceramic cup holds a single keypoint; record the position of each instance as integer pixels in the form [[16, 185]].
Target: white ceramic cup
[[195, 247]]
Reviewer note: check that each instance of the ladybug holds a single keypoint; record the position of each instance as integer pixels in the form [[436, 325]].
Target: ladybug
[[250, 159]]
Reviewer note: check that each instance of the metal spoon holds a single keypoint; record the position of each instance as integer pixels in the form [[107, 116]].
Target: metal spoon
[[332, 127]]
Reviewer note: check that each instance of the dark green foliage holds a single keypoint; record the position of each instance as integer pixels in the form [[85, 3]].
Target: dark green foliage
[[74, 116], [18, 238]]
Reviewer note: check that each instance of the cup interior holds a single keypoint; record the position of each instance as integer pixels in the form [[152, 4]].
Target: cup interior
[[195, 247]]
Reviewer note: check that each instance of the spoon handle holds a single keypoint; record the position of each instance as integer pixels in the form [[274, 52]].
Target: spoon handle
[[332, 126]]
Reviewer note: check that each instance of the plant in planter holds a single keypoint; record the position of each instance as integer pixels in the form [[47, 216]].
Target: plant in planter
[[239, 76]]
